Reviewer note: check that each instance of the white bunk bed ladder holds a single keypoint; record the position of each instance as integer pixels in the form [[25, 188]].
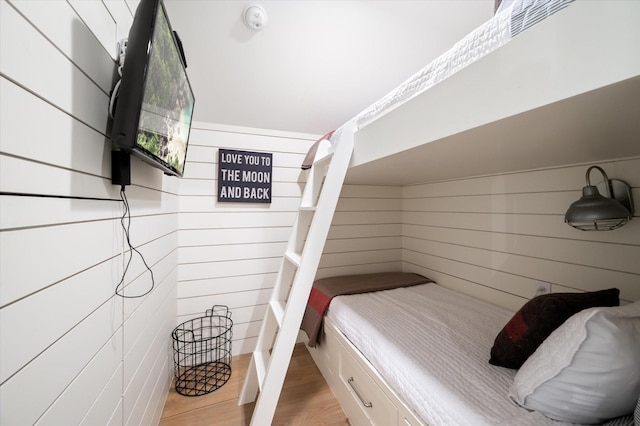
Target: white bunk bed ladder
[[281, 324]]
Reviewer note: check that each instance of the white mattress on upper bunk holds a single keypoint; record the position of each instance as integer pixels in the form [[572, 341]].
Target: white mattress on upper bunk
[[432, 346], [519, 107], [511, 18]]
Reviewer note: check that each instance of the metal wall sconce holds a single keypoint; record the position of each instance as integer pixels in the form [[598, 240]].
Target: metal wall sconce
[[593, 212]]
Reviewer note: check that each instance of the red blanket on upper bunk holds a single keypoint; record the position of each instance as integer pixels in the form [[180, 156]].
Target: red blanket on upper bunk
[[326, 289], [311, 154]]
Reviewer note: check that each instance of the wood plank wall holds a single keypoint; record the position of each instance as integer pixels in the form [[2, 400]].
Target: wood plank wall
[[493, 237], [72, 352], [366, 232], [230, 252], [497, 237]]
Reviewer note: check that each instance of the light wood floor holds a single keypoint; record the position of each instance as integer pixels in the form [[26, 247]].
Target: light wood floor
[[305, 400]]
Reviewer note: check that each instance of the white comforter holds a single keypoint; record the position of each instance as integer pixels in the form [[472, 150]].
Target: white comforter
[[432, 346]]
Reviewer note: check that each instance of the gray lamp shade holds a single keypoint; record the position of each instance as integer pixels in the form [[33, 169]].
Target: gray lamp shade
[[593, 212]]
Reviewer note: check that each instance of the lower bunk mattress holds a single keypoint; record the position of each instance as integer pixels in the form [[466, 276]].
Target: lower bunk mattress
[[445, 376], [432, 345]]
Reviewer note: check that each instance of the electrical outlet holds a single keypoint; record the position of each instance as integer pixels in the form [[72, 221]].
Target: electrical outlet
[[542, 288]]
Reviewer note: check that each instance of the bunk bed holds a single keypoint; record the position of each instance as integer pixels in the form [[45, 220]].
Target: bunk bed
[[580, 74], [487, 107]]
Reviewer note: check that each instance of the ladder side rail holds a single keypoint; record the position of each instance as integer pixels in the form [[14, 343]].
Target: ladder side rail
[[287, 336], [286, 274], [265, 340], [300, 231], [281, 290], [317, 172]]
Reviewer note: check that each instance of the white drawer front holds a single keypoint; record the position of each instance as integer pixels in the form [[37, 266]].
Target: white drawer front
[[369, 399]]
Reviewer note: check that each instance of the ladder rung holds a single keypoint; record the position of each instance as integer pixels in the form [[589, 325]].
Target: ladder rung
[[277, 307], [294, 258], [324, 159], [261, 359]]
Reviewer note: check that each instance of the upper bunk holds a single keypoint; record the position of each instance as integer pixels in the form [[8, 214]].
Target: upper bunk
[[564, 91]]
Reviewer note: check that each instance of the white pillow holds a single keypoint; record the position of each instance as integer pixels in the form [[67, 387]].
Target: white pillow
[[587, 370]]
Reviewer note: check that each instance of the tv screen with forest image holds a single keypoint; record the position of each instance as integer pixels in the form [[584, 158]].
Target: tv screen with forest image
[[167, 105], [154, 106]]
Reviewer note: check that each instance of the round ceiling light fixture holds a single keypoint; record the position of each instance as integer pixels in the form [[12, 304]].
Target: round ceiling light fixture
[[255, 17]]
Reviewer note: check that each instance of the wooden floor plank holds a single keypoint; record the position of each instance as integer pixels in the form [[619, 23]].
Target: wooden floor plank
[[306, 399]]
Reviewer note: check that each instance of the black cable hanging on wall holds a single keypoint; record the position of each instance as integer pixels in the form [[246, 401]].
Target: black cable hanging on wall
[[126, 216]]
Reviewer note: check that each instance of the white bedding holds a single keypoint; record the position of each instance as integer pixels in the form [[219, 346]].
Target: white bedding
[[431, 345]]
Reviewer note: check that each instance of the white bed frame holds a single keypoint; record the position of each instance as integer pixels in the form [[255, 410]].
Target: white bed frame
[[363, 394], [511, 111], [505, 112]]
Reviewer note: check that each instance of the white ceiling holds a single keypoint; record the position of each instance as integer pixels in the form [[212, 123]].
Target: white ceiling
[[316, 64]]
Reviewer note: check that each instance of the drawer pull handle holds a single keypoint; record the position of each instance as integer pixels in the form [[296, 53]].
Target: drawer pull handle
[[366, 404]]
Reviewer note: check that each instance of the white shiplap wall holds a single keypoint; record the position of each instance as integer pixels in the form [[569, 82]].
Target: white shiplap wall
[[366, 232], [71, 351], [230, 252], [494, 237], [497, 237]]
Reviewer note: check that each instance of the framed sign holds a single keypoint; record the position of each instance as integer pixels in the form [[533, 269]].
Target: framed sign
[[244, 176]]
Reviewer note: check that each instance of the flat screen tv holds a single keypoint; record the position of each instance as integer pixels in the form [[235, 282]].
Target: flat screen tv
[[153, 104]]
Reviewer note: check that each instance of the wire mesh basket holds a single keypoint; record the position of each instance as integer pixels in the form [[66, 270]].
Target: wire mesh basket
[[202, 352]]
